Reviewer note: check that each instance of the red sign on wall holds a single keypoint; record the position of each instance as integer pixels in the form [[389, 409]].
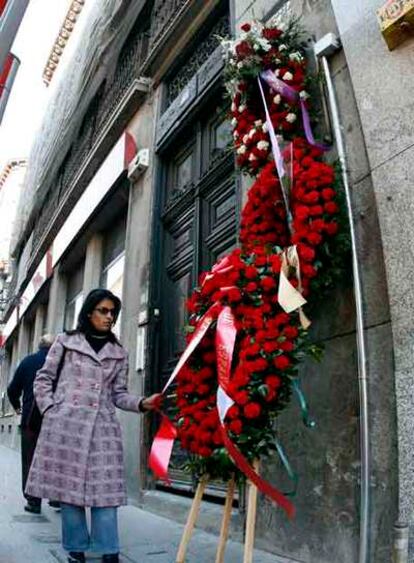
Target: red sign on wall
[[3, 4]]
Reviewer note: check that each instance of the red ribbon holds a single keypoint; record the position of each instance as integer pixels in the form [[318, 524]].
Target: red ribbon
[[163, 443], [225, 340], [161, 449]]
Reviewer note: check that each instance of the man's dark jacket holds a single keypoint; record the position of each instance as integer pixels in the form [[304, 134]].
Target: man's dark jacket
[[22, 382]]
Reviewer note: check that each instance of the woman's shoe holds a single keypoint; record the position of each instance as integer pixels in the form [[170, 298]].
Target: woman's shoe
[[110, 558], [76, 557]]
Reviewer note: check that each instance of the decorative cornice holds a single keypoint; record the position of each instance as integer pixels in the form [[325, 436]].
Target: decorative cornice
[[9, 167], [61, 40]]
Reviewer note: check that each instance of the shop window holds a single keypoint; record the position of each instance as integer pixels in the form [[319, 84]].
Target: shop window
[[74, 297], [112, 277]]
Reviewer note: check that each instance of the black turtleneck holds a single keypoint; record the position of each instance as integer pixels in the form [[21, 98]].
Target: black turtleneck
[[98, 341]]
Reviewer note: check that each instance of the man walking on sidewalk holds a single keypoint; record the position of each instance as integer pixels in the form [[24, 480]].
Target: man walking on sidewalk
[[22, 383]]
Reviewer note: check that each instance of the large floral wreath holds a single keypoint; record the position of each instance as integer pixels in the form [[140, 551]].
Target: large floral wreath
[[270, 342]]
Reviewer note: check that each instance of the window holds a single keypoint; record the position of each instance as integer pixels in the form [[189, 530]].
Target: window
[[74, 297], [113, 266]]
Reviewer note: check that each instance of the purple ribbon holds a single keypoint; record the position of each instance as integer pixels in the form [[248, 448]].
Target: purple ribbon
[[293, 96], [277, 155]]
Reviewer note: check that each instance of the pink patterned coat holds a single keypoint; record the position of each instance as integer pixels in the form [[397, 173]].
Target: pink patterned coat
[[79, 458]]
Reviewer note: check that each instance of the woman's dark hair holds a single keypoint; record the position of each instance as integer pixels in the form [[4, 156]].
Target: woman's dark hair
[[92, 299]]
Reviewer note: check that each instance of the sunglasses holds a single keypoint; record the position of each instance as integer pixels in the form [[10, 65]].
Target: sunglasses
[[105, 311]]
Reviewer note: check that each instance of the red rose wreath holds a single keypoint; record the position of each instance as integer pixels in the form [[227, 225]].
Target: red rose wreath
[[270, 342]]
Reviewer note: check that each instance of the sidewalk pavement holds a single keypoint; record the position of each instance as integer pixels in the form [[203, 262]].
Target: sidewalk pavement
[[145, 537]]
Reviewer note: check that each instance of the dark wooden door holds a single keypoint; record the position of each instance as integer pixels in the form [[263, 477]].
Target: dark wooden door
[[198, 224]]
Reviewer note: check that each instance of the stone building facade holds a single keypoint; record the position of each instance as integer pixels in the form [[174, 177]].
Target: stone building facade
[[157, 84]]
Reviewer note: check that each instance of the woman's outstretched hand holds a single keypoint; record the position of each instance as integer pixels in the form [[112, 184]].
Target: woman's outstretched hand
[[152, 402]]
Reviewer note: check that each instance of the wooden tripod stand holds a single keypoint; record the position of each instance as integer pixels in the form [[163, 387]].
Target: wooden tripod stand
[[250, 520]]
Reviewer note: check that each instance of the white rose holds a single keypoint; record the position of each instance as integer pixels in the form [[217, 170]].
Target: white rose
[[240, 64], [265, 128], [235, 135], [258, 122], [234, 121], [295, 57], [304, 95], [252, 133], [241, 150], [233, 107], [277, 72], [242, 107], [245, 139], [262, 145], [256, 46], [252, 157], [282, 47], [277, 99], [287, 76], [291, 117]]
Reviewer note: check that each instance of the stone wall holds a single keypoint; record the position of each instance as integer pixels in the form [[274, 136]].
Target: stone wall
[[383, 83], [327, 459]]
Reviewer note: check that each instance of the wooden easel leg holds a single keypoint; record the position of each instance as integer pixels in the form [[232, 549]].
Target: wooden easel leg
[[226, 521], [191, 520], [251, 520]]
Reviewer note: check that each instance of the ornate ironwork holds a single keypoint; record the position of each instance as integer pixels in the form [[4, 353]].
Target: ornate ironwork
[[98, 113], [128, 67], [197, 58], [164, 12]]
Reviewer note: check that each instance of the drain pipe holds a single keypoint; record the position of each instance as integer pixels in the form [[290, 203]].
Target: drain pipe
[[324, 48]]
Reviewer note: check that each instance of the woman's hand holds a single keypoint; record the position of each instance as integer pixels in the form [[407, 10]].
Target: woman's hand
[[152, 402]]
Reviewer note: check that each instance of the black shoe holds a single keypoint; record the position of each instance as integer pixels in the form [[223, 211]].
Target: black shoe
[[110, 558], [54, 503], [33, 508], [76, 557]]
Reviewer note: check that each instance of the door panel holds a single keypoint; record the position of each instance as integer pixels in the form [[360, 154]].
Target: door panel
[[199, 225]]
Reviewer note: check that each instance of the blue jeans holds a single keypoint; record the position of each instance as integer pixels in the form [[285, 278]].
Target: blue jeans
[[104, 529]]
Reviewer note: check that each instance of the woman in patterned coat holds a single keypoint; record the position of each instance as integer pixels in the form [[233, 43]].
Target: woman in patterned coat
[[78, 459]]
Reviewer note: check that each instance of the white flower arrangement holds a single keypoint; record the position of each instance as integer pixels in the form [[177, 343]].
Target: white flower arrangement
[[262, 145], [296, 57]]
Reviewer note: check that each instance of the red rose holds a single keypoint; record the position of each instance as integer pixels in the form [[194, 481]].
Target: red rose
[[234, 295], [246, 27], [328, 194], [243, 49], [271, 33], [242, 397], [281, 362], [268, 283], [332, 228], [251, 273], [236, 426], [331, 207], [286, 346], [251, 286], [306, 253], [252, 410], [273, 381], [290, 332]]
